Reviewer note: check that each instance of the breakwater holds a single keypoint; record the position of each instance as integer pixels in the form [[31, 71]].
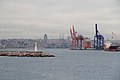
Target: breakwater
[[24, 54]]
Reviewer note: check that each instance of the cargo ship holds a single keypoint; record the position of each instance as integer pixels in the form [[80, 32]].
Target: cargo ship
[[110, 46]]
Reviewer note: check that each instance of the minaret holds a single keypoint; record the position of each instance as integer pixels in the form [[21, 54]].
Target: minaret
[[35, 46]]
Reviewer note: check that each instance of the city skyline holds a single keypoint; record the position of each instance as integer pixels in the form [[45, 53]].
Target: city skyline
[[34, 18]]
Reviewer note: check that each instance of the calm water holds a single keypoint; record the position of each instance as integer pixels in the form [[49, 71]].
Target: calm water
[[67, 65]]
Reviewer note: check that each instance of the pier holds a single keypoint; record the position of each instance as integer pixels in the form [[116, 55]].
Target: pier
[[24, 54]]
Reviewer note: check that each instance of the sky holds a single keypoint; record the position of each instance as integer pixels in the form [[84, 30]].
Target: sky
[[34, 18]]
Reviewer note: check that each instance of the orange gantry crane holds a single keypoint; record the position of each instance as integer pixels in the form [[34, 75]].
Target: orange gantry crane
[[78, 41]]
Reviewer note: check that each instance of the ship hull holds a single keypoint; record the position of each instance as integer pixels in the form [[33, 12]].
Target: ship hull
[[111, 48]]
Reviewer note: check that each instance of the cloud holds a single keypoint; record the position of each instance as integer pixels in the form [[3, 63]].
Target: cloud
[[36, 17]]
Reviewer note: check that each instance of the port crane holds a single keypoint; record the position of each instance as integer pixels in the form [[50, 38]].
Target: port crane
[[114, 36], [78, 41], [98, 39], [115, 39]]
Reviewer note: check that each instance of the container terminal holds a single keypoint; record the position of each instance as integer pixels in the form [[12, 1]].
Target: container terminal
[[79, 42]]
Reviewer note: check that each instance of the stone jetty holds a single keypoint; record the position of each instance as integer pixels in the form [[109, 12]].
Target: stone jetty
[[24, 54]]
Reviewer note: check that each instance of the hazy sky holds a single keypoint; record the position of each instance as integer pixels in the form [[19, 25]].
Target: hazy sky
[[34, 18]]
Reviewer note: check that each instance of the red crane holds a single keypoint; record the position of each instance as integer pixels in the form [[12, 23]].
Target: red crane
[[73, 37], [77, 41]]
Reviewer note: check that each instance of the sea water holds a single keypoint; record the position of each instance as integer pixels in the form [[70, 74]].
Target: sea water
[[66, 65]]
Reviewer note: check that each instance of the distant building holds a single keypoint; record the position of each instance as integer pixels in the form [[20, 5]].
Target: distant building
[[45, 40], [30, 43]]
